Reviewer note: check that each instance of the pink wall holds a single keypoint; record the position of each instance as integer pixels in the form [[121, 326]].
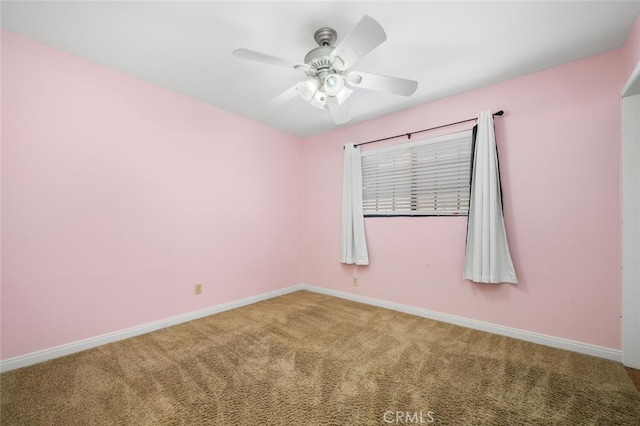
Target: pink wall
[[631, 51], [118, 196], [559, 153]]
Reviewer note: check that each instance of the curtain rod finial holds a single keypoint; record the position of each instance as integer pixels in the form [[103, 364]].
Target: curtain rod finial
[[501, 112]]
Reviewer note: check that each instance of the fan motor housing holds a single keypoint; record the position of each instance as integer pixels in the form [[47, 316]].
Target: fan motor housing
[[319, 59]]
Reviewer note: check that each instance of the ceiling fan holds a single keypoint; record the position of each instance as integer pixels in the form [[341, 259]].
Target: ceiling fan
[[328, 68]]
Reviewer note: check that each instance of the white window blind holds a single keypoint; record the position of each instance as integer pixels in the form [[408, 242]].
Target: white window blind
[[421, 178]]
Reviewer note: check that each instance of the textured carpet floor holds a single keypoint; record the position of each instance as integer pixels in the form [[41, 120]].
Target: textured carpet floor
[[311, 359]]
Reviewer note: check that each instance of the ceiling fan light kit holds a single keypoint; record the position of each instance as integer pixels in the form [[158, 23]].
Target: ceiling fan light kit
[[330, 80]]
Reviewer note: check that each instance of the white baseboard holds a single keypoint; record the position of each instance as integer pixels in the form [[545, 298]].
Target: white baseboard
[[528, 336], [92, 342], [81, 345]]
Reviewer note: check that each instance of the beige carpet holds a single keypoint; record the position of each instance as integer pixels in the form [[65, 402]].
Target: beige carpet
[[311, 359]]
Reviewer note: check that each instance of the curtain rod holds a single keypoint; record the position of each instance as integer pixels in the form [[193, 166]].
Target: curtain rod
[[408, 135]]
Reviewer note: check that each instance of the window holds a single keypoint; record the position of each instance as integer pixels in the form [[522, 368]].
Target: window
[[429, 177]]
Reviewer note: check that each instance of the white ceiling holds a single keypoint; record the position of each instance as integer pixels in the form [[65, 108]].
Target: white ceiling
[[448, 47]]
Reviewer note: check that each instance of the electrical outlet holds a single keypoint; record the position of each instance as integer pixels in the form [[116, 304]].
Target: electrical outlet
[[355, 281], [198, 288]]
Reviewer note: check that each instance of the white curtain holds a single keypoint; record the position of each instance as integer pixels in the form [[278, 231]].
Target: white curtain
[[354, 244], [487, 258]]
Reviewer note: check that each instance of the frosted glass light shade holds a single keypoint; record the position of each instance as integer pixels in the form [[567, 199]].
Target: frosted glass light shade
[[333, 84], [308, 88]]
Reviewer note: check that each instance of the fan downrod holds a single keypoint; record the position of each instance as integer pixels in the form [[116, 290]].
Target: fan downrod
[[325, 36]]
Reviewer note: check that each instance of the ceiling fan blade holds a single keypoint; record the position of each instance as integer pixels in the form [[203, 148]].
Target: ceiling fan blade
[[382, 83], [339, 112], [252, 55], [363, 38], [283, 97]]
